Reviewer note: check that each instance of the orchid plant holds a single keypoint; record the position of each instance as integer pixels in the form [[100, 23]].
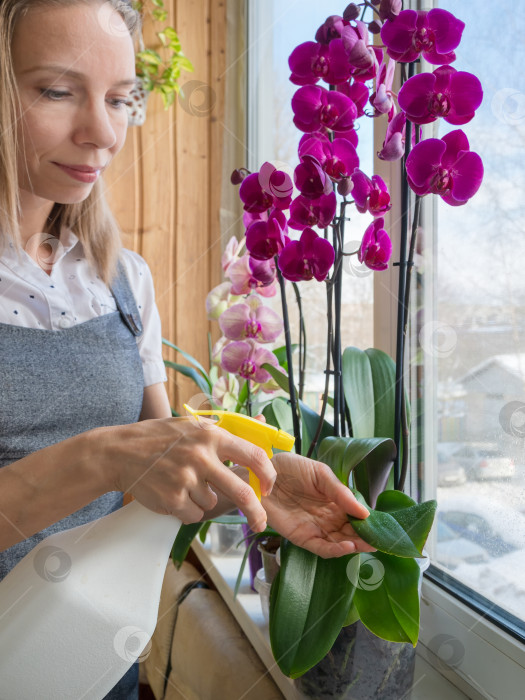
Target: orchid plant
[[366, 445]]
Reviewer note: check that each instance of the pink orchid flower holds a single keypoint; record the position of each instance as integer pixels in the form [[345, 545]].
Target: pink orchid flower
[[251, 319], [245, 357]]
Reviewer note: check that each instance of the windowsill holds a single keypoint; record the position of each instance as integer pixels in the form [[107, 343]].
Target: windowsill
[[429, 684]]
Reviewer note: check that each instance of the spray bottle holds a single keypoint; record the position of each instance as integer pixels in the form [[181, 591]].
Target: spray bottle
[[79, 609]]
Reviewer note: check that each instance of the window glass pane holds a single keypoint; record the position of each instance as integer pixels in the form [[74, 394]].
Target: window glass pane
[[477, 341], [277, 28]]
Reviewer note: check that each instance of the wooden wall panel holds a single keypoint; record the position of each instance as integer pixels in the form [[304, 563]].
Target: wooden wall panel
[[165, 185]]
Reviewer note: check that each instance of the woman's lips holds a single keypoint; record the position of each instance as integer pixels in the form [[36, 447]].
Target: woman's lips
[[82, 173]]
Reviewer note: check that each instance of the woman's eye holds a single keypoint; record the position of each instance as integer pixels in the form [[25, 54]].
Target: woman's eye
[[119, 102], [53, 94]]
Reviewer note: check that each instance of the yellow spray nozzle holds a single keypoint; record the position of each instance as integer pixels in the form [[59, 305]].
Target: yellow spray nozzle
[[253, 430]]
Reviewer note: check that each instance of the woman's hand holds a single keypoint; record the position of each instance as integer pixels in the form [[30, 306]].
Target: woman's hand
[[309, 505], [174, 466]]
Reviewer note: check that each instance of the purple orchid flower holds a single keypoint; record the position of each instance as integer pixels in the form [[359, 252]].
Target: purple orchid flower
[[277, 184], [265, 189], [448, 93], [314, 107], [394, 143], [245, 357], [264, 239], [312, 212], [382, 99], [247, 274], [251, 319], [355, 42], [446, 167], [311, 61], [358, 93], [310, 256], [433, 34], [311, 179], [376, 246], [338, 158], [330, 29], [370, 194]]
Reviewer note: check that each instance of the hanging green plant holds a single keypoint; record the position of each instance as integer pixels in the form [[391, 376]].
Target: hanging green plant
[[158, 69]]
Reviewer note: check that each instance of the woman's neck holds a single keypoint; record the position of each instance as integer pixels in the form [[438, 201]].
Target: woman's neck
[[34, 216]]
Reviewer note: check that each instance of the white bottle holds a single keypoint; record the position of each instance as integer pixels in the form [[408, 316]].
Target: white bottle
[[80, 608]]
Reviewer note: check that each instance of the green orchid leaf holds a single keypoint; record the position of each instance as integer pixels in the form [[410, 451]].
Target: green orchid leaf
[[390, 501], [243, 397], [280, 354], [183, 542], [186, 356], [280, 377], [309, 602], [383, 370], [387, 596], [204, 531], [331, 452], [279, 414], [359, 392], [192, 373], [310, 422], [384, 532], [353, 616], [368, 461], [415, 518]]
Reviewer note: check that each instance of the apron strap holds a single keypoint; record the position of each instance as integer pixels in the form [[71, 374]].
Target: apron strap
[[121, 290]]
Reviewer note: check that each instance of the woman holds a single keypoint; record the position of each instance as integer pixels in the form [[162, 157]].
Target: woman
[[84, 414]]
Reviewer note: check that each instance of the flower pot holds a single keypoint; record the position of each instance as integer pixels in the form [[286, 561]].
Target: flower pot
[[263, 589], [361, 666], [268, 548], [137, 105]]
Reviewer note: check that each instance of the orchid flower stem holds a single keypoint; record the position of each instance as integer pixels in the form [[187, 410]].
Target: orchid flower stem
[[339, 413], [248, 398], [410, 265], [302, 340], [402, 308], [327, 371], [291, 385]]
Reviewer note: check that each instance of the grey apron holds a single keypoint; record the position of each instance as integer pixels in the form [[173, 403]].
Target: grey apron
[[57, 384]]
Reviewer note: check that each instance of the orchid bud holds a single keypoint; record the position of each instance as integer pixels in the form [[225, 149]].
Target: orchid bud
[[351, 12], [374, 27], [345, 186], [238, 176], [389, 9], [375, 2]]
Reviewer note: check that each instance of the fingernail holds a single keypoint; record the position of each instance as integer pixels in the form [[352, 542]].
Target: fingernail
[[261, 528]]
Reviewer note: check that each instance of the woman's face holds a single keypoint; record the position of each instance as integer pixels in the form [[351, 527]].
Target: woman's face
[[75, 67]]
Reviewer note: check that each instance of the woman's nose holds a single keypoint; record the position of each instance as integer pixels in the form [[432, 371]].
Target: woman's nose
[[95, 126]]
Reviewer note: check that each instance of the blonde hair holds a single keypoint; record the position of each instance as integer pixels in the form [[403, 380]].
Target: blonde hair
[[91, 220]]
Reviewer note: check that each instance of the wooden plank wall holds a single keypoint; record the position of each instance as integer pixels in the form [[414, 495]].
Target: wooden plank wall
[[165, 185]]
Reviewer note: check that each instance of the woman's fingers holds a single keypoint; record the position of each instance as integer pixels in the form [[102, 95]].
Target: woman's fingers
[[246, 454], [203, 496], [235, 489]]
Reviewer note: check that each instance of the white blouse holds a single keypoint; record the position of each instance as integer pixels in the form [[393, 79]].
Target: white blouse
[[73, 293]]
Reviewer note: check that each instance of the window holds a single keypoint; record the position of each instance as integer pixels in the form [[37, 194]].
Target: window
[[466, 354]]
